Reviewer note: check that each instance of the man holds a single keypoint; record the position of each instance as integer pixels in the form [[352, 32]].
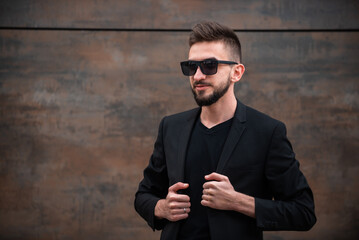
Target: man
[[223, 170]]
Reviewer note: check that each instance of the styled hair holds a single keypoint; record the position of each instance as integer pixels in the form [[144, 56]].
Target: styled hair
[[212, 31]]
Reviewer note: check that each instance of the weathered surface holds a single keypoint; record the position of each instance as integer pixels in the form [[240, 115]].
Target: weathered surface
[[179, 14], [80, 111]]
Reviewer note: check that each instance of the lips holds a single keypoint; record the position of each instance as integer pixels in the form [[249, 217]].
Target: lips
[[201, 86]]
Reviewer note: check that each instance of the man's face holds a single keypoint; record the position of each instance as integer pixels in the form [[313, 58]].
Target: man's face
[[208, 89]]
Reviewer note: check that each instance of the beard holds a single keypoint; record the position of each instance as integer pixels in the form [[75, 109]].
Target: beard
[[214, 97]]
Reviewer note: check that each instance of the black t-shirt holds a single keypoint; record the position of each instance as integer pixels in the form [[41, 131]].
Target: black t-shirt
[[203, 153]]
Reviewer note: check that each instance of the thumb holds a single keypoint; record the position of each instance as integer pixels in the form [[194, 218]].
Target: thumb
[[215, 177], [178, 186]]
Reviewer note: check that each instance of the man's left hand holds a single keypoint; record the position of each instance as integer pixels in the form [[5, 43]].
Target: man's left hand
[[218, 192]]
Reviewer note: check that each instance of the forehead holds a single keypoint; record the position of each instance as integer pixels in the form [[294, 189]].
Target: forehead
[[205, 50]]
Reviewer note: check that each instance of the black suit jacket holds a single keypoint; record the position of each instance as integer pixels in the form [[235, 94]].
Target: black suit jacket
[[258, 160]]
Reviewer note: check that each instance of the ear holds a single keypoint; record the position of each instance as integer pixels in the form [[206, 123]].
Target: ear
[[237, 72]]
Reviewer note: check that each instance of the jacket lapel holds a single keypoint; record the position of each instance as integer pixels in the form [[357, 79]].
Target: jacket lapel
[[184, 138], [233, 136]]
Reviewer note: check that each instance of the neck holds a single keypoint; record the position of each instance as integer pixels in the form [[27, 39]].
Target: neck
[[219, 112]]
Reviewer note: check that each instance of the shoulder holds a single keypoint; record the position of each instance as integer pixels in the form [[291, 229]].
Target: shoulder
[[173, 125], [181, 117]]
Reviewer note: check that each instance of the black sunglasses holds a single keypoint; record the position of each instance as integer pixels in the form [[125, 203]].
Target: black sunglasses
[[208, 66]]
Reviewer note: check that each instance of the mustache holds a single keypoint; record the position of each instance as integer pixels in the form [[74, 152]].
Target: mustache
[[201, 83]]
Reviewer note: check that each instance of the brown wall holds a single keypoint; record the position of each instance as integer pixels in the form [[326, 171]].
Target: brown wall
[[84, 84]]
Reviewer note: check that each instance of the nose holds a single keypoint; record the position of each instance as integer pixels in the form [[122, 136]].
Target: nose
[[199, 75]]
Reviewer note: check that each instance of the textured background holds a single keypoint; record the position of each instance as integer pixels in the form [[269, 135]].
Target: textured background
[[84, 84]]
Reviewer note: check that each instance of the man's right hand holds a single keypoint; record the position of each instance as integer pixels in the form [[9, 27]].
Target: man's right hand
[[175, 206]]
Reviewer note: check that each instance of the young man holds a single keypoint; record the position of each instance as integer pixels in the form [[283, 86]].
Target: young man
[[223, 170]]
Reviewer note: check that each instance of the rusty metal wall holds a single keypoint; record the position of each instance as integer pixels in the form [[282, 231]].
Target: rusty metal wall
[[84, 84]]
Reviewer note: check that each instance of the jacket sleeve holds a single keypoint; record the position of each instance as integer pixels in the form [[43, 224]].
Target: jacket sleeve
[[154, 185], [292, 206]]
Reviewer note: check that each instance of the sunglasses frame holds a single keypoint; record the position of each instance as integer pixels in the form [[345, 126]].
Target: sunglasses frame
[[200, 63]]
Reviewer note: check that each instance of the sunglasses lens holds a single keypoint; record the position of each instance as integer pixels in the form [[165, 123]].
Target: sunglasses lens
[[188, 68], [209, 67]]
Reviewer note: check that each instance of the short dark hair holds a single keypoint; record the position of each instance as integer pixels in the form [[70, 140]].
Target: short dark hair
[[212, 31]]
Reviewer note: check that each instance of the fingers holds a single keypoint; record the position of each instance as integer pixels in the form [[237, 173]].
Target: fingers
[[179, 205], [206, 203], [208, 191], [207, 197], [210, 198], [178, 186], [210, 185], [173, 196], [216, 177], [214, 180], [178, 210], [178, 213]]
